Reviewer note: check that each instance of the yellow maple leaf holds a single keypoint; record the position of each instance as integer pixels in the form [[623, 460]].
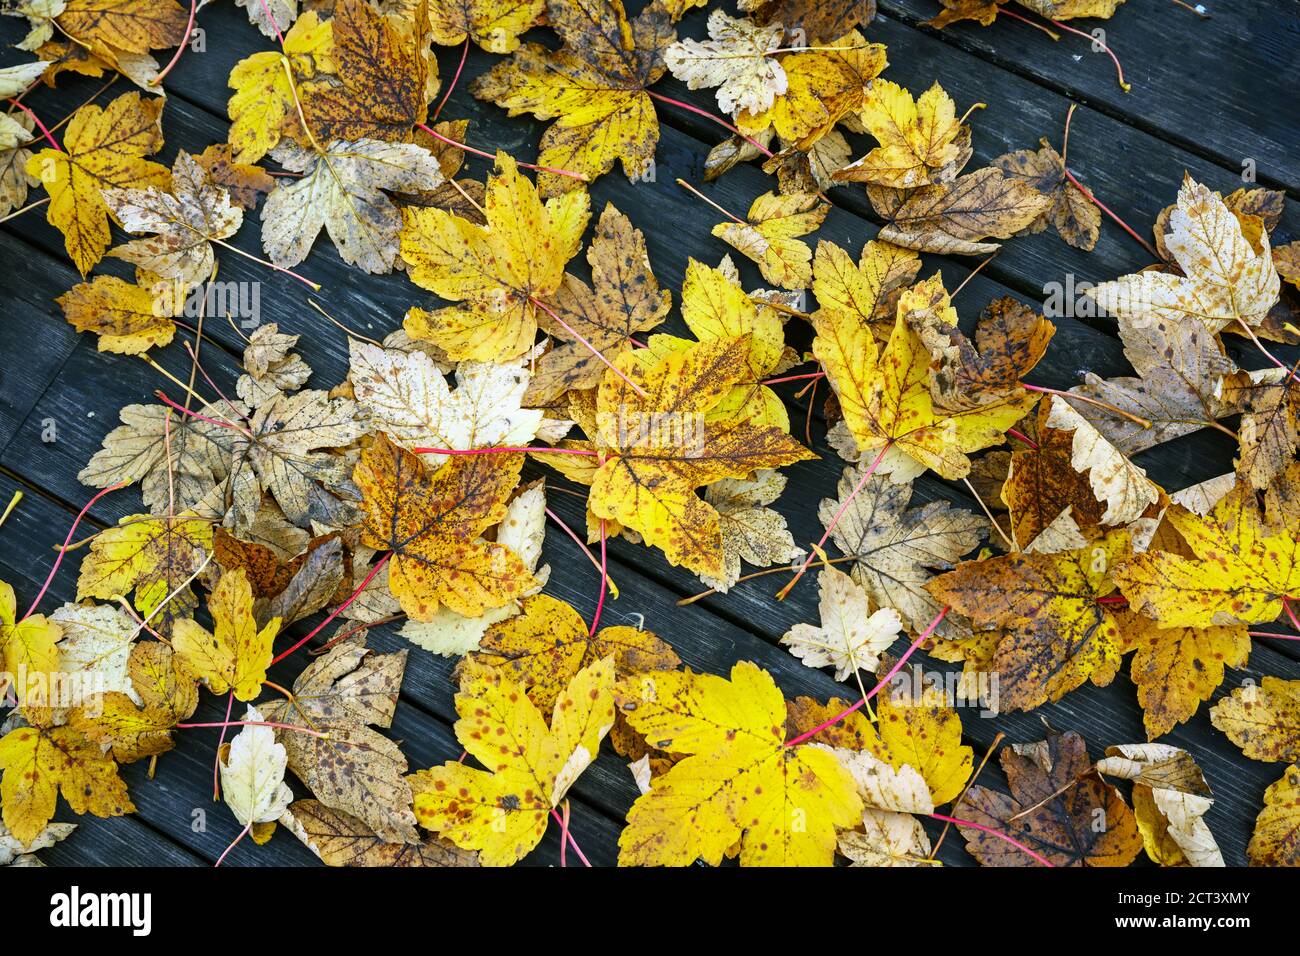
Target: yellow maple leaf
[[27, 647], [886, 396], [125, 316], [128, 26], [1277, 828], [921, 141], [494, 25], [497, 272], [770, 237], [861, 293], [1263, 720], [1240, 570], [657, 447], [39, 762], [594, 87], [105, 147], [263, 105], [739, 782], [503, 811], [822, 88], [235, 655], [431, 522], [1057, 635], [155, 554]]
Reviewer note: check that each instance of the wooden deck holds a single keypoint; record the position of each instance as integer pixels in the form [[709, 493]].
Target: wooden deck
[[1208, 95]]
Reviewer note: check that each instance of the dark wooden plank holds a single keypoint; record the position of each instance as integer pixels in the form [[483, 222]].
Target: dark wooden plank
[[1222, 87]]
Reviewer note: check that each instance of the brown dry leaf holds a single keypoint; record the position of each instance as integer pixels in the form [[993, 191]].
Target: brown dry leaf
[[1041, 484], [246, 184], [1086, 823], [816, 22], [1073, 214], [953, 218], [623, 299], [355, 769], [340, 839], [131, 26], [1058, 637], [751, 531], [1124, 487], [593, 87]]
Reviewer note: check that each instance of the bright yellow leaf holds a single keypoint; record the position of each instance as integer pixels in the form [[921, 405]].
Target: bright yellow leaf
[[236, 654]]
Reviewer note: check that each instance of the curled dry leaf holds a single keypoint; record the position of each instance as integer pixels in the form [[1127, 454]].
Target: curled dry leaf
[[770, 237]]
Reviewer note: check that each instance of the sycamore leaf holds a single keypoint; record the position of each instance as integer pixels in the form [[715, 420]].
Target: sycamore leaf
[[850, 637], [896, 549], [28, 651], [405, 396], [15, 180], [235, 655], [431, 521], [816, 22], [623, 299], [1170, 799], [160, 680], [186, 219], [770, 237], [1057, 636], [137, 451], [522, 530], [381, 85], [1277, 828], [495, 25], [105, 147], [39, 762], [503, 811], [1080, 820], [354, 769], [244, 183], [132, 26], [593, 87], [97, 640], [497, 272], [154, 555], [865, 293], [1075, 217], [823, 87], [1124, 487], [252, 774], [889, 407], [953, 218], [739, 780], [658, 449], [1270, 422], [342, 191], [1179, 387], [262, 109], [751, 531], [1263, 720], [1239, 570], [921, 141], [1224, 282], [1069, 9], [15, 79], [1175, 668], [126, 317], [736, 59], [340, 839]]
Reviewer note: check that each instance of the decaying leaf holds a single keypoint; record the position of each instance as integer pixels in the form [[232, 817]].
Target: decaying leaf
[[851, 637], [770, 237]]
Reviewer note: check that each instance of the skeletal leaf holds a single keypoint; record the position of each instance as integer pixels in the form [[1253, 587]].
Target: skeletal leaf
[[497, 272], [105, 148], [736, 59], [342, 191], [850, 637], [503, 811], [770, 237], [739, 780], [1071, 816], [593, 87]]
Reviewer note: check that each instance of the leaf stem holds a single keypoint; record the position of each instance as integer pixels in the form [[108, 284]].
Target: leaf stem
[[39, 125], [604, 578], [1092, 198], [595, 563], [226, 852], [920, 639], [1113, 409], [730, 215], [250, 723], [565, 833], [30, 206], [934, 851], [314, 286], [185, 42], [992, 832], [712, 118], [464, 54], [478, 152], [760, 574], [64, 550], [792, 378], [337, 611], [538, 303], [1006, 12], [844, 505], [1022, 437]]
